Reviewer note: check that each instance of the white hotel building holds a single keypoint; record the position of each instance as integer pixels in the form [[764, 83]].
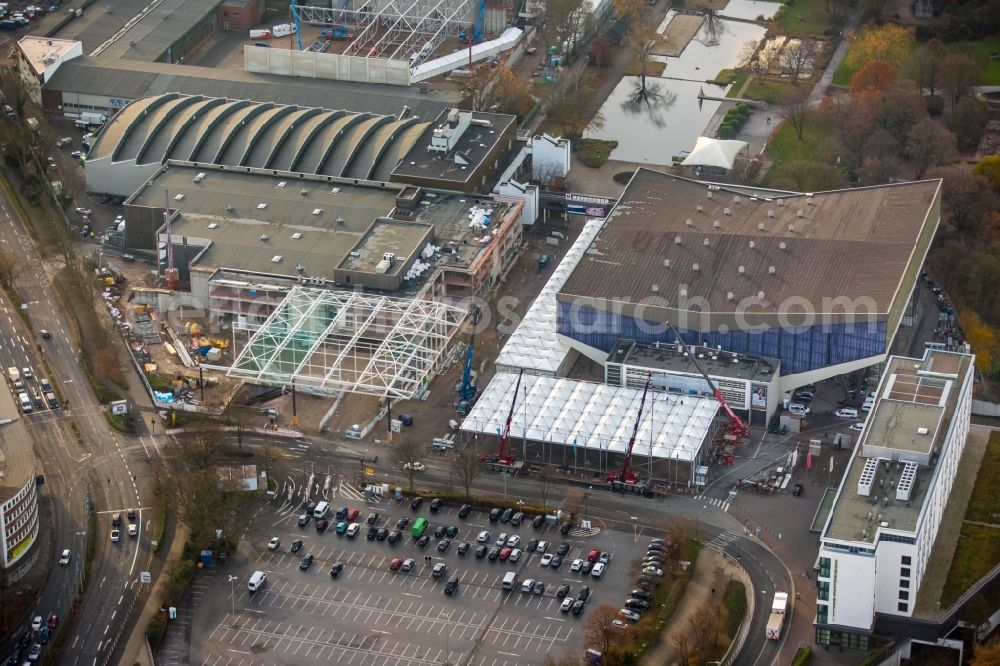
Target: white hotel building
[[878, 537]]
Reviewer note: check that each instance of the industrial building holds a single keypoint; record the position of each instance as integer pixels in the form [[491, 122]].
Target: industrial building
[[18, 493], [39, 58], [878, 537]]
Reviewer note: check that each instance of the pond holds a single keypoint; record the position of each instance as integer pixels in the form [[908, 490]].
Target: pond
[[749, 10], [654, 131], [711, 52]]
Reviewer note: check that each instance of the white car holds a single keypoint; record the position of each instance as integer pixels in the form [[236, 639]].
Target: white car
[[83, 211], [352, 530], [629, 615], [527, 585], [416, 467], [28, 374], [650, 571], [65, 557], [798, 408], [566, 604], [542, 547], [274, 543], [483, 537], [115, 536], [514, 541], [65, 141], [546, 560], [597, 571], [577, 565], [36, 623], [847, 413], [133, 529], [858, 427]]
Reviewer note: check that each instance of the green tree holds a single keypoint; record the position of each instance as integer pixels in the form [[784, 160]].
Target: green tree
[[989, 169]]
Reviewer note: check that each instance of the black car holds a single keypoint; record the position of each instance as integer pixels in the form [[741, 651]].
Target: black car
[[481, 551], [306, 562], [382, 534], [402, 523], [336, 569], [642, 594], [797, 489], [586, 566], [562, 549], [439, 531], [451, 532], [494, 553], [636, 604], [416, 502], [578, 607], [444, 545], [394, 536], [464, 511], [25, 639], [373, 518], [436, 504], [372, 531], [495, 514], [463, 548], [131, 512], [15, 658], [296, 546], [562, 591], [423, 541], [516, 519], [532, 546], [538, 521], [584, 593], [566, 527], [556, 562], [506, 515]]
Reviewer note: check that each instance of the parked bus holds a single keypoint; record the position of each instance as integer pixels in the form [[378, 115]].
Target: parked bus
[[419, 527]]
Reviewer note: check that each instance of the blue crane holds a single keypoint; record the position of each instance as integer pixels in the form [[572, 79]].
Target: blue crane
[[477, 30], [467, 391], [295, 22]]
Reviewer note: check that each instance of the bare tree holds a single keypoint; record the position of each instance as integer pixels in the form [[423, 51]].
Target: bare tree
[[190, 479], [467, 467], [959, 72], [930, 144], [682, 648], [923, 66], [238, 415], [545, 482], [600, 633], [795, 110], [11, 268], [408, 453], [705, 627], [796, 57], [498, 88]]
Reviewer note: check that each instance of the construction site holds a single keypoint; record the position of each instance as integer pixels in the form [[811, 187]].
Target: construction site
[[396, 42]]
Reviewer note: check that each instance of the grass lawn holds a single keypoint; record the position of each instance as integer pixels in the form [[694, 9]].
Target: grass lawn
[[983, 503], [771, 91], [978, 551], [803, 17], [843, 75], [981, 50], [785, 147], [736, 79]]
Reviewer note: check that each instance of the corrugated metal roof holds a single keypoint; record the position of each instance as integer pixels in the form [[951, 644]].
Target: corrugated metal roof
[[670, 238], [131, 80], [593, 416], [155, 29]]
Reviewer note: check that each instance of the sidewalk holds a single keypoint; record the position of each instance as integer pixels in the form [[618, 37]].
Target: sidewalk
[[137, 649], [713, 571]]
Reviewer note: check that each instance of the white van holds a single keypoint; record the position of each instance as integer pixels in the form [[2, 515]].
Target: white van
[[257, 581], [25, 402], [321, 509], [509, 580]]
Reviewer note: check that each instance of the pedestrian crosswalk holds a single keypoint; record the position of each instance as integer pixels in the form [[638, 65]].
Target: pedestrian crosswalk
[[347, 491], [720, 503], [722, 540]]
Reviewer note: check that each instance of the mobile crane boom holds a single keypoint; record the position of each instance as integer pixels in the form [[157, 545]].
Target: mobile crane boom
[[736, 428], [626, 476], [503, 457]]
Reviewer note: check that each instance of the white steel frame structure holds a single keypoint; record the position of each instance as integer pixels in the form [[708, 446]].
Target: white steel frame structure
[[333, 341], [394, 29]]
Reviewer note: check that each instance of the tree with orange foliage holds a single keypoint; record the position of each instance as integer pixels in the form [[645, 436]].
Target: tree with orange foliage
[[877, 75], [986, 655], [980, 337], [889, 42]]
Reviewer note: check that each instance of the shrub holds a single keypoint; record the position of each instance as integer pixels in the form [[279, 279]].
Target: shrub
[[803, 656], [595, 152], [727, 132]]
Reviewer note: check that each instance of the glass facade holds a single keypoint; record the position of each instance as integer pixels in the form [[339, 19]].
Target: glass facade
[[799, 349]]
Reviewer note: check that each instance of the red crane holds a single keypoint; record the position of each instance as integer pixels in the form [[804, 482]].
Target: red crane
[[736, 429], [503, 457], [627, 476]]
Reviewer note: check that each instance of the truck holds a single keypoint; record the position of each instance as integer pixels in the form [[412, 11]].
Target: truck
[[281, 30], [15, 378], [260, 34], [91, 118], [777, 617]]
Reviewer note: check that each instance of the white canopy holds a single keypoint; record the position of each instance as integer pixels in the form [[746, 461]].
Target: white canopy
[[533, 345], [719, 153], [594, 416]]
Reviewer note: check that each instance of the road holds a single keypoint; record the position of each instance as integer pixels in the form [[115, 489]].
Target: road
[[88, 466]]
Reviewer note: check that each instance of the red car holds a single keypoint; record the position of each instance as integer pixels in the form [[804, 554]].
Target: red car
[[504, 554], [396, 563], [53, 621], [593, 555], [352, 515]]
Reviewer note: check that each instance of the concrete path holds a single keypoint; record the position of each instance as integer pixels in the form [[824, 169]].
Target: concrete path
[[819, 90]]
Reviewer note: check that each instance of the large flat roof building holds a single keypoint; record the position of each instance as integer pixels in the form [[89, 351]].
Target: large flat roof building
[[877, 540]]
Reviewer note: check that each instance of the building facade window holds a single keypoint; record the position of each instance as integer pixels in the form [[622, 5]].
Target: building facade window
[[822, 613], [824, 567], [904, 572], [901, 607], [906, 561], [903, 583], [904, 595], [824, 590]]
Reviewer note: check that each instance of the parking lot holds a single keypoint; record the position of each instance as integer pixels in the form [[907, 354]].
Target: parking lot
[[374, 616]]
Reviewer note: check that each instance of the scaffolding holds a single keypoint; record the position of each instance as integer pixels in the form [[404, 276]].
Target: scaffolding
[[332, 341], [395, 29]]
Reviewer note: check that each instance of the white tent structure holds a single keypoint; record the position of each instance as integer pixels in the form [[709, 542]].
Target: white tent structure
[[534, 345], [716, 153], [594, 416], [466, 57]]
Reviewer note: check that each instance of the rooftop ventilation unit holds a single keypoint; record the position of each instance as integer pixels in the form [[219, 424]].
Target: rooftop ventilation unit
[[716, 224], [705, 242], [339, 220], [655, 288], [760, 295], [276, 259], [907, 482], [317, 211], [736, 198], [296, 236], [781, 202], [752, 245], [694, 266], [922, 431], [199, 177], [282, 183], [742, 269], [213, 225], [730, 295], [770, 214], [683, 292], [677, 240], [760, 226], [791, 228], [300, 268], [709, 194], [782, 245], [727, 211], [229, 208], [666, 263], [261, 206], [771, 270], [800, 213], [178, 197], [304, 191], [689, 222], [699, 208], [867, 479], [264, 237]]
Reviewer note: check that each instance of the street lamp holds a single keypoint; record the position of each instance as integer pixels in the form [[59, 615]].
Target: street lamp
[[447, 642], [232, 594], [635, 528]]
